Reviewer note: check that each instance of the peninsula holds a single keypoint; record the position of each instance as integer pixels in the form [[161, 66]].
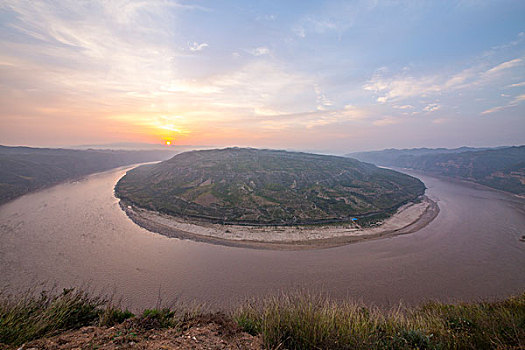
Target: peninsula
[[271, 198]]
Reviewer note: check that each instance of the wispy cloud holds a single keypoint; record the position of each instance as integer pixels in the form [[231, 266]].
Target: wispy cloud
[[431, 107], [386, 121], [323, 102], [494, 109], [94, 44], [519, 99], [310, 120], [194, 46], [503, 66], [260, 51], [335, 17], [403, 86], [516, 85], [440, 120], [403, 107], [399, 88], [513, 103]]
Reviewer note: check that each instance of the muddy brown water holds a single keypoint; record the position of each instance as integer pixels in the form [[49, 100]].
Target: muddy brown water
[[76, 234]]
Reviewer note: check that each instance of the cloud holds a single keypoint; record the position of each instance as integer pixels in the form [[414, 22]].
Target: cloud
[[268, 17], [194, 46], [404, 86], [460, 79], [93, 46], [264, 111], [260, 51], [318, 25], [399, 88], [513, 103], [323, 102], [493, 110], [323, 25], [403, 107], [431, 107], [267, 87], [189, 87], [349, 113], [518, 99], [440, 120], [275, 120], [299, 31], [386, 121], [335, 17], [516, 85], [509, 45], [503, 66]]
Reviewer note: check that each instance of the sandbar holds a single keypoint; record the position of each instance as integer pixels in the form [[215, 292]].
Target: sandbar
[[408, 218]]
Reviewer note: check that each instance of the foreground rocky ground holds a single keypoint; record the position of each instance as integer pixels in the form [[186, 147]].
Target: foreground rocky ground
[[205, 332]]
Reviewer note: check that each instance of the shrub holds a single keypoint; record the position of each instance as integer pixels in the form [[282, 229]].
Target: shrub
[[157, 318], [112, 316], [27, 317]]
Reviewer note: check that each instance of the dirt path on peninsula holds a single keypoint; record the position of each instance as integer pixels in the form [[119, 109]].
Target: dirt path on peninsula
[[409, 218]]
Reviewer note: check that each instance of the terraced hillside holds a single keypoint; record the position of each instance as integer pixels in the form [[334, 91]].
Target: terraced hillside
[[250, 186]]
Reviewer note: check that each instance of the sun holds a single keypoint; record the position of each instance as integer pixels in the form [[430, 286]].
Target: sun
[[168, 143]]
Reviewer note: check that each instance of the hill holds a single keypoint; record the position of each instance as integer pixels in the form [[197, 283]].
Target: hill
[[26, 169], [250, 186], [501, 168], [392, 156]]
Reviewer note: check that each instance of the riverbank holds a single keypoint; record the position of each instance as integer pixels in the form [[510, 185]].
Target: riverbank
[[407, 219]]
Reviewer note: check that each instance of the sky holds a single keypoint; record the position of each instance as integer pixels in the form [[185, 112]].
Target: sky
[[325, 76]]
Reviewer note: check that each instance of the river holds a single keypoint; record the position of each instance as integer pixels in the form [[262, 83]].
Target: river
[[75, 234]]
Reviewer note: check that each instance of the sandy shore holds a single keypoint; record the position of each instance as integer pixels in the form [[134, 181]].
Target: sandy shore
[[409, 218]]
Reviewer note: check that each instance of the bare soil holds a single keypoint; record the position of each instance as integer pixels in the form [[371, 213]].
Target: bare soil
[[208, 332]]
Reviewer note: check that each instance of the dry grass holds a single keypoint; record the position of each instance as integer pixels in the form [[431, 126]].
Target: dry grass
[[304, 321], [289, 321], [27, 317]]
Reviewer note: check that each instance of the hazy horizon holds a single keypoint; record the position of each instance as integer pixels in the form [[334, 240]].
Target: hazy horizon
[[183, 148], [330, 76]]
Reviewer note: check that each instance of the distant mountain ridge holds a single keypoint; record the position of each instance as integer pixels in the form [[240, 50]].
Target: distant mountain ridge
[[391, 156], [501, 168], [254, 186], [25, 169]]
